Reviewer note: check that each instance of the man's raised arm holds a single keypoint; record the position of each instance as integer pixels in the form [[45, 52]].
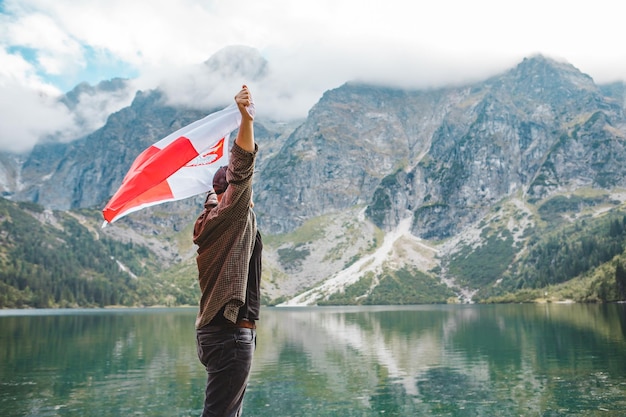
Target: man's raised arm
[[245, 137]]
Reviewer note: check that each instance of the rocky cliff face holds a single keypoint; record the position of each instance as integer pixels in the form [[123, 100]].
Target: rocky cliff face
[[540, 128], [431, 163], [441, 157], [444, 157], [86, 172]]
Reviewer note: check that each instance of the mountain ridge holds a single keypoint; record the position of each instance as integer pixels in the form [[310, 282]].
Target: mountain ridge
[[425, 177]]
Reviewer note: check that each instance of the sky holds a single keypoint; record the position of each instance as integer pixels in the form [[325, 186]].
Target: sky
[[47, 47]]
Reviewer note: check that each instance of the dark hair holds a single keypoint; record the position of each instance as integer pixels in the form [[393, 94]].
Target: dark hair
[[220, 184]]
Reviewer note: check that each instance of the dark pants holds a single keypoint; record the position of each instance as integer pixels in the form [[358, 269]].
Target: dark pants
[[227, 355]]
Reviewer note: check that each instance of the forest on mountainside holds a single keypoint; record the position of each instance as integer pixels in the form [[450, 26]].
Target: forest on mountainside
[[64, 263], [584, 261], [57, 259]]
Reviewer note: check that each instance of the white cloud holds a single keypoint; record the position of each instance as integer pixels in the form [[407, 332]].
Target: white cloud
[[26, 116], [310, 46], [30, 109], [93, 108], [56, 50]]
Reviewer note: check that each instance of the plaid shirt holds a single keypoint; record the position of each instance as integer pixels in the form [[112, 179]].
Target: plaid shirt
[[225, 234]]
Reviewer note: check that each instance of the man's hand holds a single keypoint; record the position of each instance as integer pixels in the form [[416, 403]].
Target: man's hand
[[245, 103], [245, 137]]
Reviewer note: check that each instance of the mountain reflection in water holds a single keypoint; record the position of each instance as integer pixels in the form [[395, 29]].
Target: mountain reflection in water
[[466, 360]]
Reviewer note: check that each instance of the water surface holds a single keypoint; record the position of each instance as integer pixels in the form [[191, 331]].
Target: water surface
[[471, 360]]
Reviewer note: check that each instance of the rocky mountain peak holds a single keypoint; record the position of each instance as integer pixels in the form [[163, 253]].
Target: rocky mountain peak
[[440, 156], [371, 161], [72, 98], [242, 61]]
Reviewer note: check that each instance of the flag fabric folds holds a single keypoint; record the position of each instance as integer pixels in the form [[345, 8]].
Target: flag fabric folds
[[178, 166]]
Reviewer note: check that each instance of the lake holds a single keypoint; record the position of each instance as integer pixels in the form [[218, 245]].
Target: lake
[[430, 360]]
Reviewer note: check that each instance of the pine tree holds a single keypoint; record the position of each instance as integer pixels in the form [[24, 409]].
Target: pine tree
[[620, 280]]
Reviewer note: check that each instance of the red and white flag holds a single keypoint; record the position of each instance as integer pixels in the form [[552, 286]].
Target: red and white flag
[[178, 166]]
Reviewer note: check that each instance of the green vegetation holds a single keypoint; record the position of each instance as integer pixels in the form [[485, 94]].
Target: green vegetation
[[552, 211], [393, 287], [53, 259], [603, 284], [620, 279], [352, 294], [571, 252], [176, 286], [378, 209], [381, 201], [292, 257], [408, 287], [64, 265], [482, 265], [582, 262], [567, 254], [62, 259]]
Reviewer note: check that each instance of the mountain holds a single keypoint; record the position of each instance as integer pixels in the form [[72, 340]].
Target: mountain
[[446, 156], [387, 195]]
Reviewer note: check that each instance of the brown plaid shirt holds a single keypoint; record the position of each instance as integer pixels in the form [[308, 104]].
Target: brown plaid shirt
[[225, 236]]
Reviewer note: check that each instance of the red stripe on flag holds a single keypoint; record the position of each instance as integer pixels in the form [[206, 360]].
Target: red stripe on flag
[[150, 169], [161, 192], [140, 161]]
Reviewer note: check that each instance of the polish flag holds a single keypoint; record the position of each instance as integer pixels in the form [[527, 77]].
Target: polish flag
[[178, 166]]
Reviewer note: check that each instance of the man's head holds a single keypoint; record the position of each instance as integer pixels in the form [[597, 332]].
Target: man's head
[[220, 184]]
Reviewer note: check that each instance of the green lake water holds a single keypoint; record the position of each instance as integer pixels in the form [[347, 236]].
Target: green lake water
[[465, 360]]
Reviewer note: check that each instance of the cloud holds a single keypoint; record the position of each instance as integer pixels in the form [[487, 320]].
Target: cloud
[[160, 34], [29, 115], [215, 82], [309, 47], [30, 109], [93, 105], [54, 49], [26, 116]]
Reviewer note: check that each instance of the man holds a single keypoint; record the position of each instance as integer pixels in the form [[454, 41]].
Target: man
[[229, 271]]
